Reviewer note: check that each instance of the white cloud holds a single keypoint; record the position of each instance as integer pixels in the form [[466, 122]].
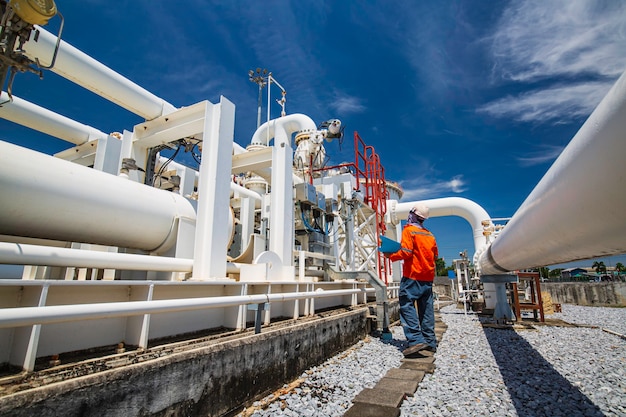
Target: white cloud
[[346, 105], [546, 45], [537, 39], [560, 104], [421, 188], [545, 153]]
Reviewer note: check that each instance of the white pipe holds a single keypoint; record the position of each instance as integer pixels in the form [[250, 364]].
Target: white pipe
[[282, 128], [94, 76], [451, 206], [49, 198], [577, 209], [28, 316], [234, 187], [243, 191], [26, 254], [43, 120], [281, 211], [23, 254]]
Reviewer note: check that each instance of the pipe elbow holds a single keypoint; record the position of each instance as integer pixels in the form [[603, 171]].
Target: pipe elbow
[[467, 209], [283, 128]]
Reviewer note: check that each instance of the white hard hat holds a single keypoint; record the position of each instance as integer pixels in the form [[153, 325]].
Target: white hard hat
[[421, 211]]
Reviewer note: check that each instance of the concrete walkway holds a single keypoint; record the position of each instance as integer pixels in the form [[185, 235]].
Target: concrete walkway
[[385, 398]]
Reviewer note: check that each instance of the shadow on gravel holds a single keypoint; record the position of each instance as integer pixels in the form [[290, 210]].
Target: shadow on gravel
[[535, 387]]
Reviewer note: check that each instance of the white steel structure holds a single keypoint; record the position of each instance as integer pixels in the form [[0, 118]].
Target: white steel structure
[[161, 248], [146, 248]]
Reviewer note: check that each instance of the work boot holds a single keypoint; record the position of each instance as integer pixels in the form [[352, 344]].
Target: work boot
[[414, 349]]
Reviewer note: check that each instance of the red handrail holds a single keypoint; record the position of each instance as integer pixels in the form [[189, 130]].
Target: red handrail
[[376, 195], [367, 167]]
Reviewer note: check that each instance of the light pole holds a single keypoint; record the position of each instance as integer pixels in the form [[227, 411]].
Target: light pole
[[258, 77]]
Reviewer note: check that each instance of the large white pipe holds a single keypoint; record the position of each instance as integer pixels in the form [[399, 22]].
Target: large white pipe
[[282, 128], [87, 72], [578, 209], [452, 206], [43, 120], [49, 198], [28, 316]]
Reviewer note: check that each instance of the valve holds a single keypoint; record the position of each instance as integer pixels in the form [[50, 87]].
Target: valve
[[17, 20]]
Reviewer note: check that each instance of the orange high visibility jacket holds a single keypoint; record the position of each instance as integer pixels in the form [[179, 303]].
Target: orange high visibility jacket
[[419, 252]]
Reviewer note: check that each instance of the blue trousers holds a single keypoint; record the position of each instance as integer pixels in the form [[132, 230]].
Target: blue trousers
[[418, 325]]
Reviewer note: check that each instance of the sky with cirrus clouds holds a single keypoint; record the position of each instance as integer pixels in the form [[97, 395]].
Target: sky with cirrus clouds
[[471, 98]]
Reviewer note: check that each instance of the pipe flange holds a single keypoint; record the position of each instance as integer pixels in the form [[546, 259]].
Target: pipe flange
[[392, 217], [255, 147], [256, 183], [301, 137]]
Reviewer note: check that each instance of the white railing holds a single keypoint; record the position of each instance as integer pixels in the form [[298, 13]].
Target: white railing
[[57, 308], [29, 316]]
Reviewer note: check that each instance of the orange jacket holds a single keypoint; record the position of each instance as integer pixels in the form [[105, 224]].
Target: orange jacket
[[419, 252]]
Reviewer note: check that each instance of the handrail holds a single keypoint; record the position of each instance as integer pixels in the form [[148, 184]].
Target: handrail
[[28, 316]]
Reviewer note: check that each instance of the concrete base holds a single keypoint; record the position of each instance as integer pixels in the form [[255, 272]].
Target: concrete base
[[502, 310], [208, 381]]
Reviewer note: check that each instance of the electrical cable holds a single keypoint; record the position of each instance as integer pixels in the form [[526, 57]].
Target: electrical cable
[[161, 170]]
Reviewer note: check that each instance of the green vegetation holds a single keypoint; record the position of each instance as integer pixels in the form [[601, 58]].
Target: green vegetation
[[599, 267]]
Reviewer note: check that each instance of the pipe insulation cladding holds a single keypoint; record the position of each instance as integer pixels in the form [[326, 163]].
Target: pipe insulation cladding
[[85, 71], [50, 198], [38, 118], [578, 209]]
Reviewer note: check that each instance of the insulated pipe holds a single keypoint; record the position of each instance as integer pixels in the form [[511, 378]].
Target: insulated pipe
[[452, 206], [234, 187], [577, 209], [49, 198], [26, 254], [282, 128], [281, 198], [85, 71], [28, 316], [243, 191], [43, 120]]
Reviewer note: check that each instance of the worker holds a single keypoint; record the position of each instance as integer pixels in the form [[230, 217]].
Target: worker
[[419, 253]]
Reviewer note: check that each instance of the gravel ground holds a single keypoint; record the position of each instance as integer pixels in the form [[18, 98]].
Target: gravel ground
[[544, 371]]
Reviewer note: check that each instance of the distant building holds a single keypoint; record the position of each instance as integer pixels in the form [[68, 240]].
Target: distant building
[[573, 273]]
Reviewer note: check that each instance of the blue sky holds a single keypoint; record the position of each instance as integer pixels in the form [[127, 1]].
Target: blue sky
[[473, 99]]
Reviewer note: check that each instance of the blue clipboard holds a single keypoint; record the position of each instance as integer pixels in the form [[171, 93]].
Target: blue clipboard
[[388, 245]]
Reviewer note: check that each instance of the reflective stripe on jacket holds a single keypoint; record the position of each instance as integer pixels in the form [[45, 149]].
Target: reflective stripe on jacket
[[419, 252]]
